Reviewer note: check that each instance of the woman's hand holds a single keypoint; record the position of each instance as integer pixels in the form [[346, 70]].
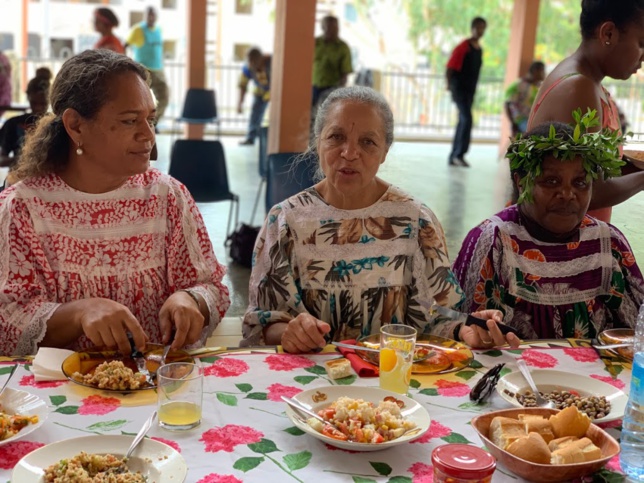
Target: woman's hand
[[106, 323], [181, 312], [304, 333], [478, 338]]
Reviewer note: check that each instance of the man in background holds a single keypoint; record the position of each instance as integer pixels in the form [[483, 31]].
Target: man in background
[[331, 62], [520, 95], [257, 69], [462, 75], [147, 43]]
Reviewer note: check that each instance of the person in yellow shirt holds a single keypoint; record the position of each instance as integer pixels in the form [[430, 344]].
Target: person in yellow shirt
[[257, 69]]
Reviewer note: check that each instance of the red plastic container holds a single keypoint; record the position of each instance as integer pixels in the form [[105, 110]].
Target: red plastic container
[[462, 463]]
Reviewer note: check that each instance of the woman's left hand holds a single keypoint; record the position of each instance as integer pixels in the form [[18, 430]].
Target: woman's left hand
[[181, 312], [478, 338]]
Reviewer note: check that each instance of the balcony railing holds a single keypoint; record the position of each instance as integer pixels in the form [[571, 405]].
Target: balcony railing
[[421, 104]]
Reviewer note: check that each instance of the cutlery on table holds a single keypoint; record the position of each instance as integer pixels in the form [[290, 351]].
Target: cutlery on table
[[541, 401], [141, 364], [139, 436], [369, 349], [468, 319], [596, 345], [303, 409], [13, 371]]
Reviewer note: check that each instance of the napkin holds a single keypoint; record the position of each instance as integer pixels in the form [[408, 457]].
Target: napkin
[[359, 365], [47, 364]]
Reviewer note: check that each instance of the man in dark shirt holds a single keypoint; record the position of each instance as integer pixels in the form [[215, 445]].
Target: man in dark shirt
[[462, 75]]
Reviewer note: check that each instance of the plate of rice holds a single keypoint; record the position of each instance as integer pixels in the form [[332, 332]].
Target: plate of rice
[[20, 413], [68, 461], [369, 418]]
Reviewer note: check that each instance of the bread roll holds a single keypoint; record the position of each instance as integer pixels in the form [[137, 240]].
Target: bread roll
[[570, 422], [588, 449], [567, 455], [338, 368], [531, 448], [539, 425], [558, 443], [505, 431]]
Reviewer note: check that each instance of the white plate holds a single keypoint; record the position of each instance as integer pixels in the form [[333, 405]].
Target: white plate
[[14, 401], [411, 410], [548, 381], [158, 461]]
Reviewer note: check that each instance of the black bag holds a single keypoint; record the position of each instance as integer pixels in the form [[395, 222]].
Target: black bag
[[241, 243]]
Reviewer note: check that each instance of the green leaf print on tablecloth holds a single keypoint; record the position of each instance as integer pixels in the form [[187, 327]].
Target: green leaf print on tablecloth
[[57, 400], [456, 438], [319, 370], [304, 380], [108, 425], [244, 387], [467, 375], [382, 468], [360, 479], [295, 431], [248, 463], [258, 396], [291, 462], [297, 461], [400, 479], [430, 391], [263, 447], [67, 410], [414, 384], [227, 399]]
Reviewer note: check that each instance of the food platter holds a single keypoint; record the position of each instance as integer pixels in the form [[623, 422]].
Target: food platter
[[14, 401], [86, 362], [618, 336], [548, 381], [322, 397], [449, 356]]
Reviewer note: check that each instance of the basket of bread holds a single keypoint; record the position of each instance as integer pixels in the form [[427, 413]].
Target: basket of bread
[[542, 444]]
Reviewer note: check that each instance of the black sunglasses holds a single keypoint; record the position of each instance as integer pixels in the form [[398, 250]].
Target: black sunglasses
[[482, 390]]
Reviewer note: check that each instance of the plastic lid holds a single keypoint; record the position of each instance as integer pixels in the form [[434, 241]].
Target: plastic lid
[[463, 461]]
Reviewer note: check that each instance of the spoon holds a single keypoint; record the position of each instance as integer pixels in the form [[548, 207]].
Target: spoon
[[139, 436], [540, 400], [13, 370], [299, 407], [420, 358]]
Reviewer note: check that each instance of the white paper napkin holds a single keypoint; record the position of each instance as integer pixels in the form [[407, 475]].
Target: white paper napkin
[[47, 364]]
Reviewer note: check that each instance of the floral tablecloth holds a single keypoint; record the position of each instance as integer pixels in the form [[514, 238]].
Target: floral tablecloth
[[246, 436]]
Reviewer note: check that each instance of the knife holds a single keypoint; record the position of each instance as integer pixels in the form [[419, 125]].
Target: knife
[[468, 319], [139, 359]]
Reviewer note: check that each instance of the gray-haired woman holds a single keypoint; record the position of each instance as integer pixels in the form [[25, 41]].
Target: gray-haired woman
[[353, 252]]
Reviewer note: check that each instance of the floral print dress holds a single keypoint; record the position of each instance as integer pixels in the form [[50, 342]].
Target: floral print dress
[[551, 290], [354, 269]]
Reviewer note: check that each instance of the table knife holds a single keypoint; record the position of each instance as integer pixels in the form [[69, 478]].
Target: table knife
[[468, 319], [141, 364]]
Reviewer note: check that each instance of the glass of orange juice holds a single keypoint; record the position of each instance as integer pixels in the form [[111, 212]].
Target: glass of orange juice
[[397, 343], [180, 395]]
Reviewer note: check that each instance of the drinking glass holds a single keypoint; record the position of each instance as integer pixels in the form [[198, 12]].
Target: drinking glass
[[397, 343], [180, 395]]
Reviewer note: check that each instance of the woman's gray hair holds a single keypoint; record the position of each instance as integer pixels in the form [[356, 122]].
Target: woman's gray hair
[[360, 94]]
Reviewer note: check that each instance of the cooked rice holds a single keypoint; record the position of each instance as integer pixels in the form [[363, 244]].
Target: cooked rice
[[112, 375]]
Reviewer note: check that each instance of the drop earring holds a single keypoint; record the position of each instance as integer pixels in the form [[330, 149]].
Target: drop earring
[[79, 150], [607, 42]]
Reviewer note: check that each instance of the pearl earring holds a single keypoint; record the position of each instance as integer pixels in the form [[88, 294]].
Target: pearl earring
[[79, 150], [607, 42]]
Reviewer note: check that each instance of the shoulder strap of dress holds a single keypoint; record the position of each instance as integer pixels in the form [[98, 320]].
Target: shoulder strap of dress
[[538, 102]]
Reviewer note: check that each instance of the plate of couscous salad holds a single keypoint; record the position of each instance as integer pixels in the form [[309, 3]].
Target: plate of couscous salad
[[365, 418], [20, 414], [70, 461]]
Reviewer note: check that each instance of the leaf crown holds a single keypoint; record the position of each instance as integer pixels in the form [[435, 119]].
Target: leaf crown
[[598, 150]]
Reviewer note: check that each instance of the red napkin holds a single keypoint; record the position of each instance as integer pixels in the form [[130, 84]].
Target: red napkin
[[359, 365]]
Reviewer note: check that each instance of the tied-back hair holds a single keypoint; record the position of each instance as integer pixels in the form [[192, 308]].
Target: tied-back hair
[[621, 12], [82, 84], [108, 15]]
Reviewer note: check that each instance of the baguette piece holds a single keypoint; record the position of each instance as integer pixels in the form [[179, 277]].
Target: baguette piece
[[590, 451], [338, 368], [538, 424], [505, 431], [531, 448], [567, 455], [559, 443], [570, 422]]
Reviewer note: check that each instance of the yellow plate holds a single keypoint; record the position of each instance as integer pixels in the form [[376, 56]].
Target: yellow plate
[[86, 362], [450, 354], [618, 336]]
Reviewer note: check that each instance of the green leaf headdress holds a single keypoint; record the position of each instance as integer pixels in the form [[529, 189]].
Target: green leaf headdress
[[599, 151]]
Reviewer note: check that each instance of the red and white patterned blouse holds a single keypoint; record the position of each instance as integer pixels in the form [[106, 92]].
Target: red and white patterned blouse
[[136, 245]]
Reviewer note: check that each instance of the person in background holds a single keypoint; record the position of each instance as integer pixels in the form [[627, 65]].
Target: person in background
[[612, 45], [14, 130], [353, 252], [97, 243], [44, 73], [147, 42], [5, 81], [520, 96], [331, 61], [105, 20], [462, 76], [553, 270], [257, 69]]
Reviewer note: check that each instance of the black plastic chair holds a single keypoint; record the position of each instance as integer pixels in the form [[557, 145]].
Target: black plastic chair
[[287, 176], [201, 166], [199, 107]]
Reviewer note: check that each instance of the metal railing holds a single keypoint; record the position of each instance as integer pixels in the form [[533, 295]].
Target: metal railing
[[422, 106]]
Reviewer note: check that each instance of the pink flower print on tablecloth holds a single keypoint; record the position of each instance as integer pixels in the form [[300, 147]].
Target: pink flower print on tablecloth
[[98, 405], [11, 453], [536, 358], [613, 464], [288, 362], [422, 473], [436, 430], [335, 448], [31, 381], [582, 354], [452, 388], [215, 478], [619, 384], [173, 444], [229, 436], [275, 391], [226, 367]]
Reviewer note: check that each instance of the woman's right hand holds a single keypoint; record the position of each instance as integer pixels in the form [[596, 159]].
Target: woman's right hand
[[106, 323], [304, 334]]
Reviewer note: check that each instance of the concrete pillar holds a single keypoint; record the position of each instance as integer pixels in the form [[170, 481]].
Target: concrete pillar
[[196, 60], [291, 76], [523, 36]]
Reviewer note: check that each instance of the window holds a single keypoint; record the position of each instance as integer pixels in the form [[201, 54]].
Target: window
[[169, 49], [169, 4], [61, 48], [244, 7], [135, 18], [33, 46], [6, 41], [239, 52]]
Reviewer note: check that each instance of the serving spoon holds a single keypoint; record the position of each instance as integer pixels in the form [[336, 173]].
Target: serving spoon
[[541, 401], [13, 370], [140, 435]]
